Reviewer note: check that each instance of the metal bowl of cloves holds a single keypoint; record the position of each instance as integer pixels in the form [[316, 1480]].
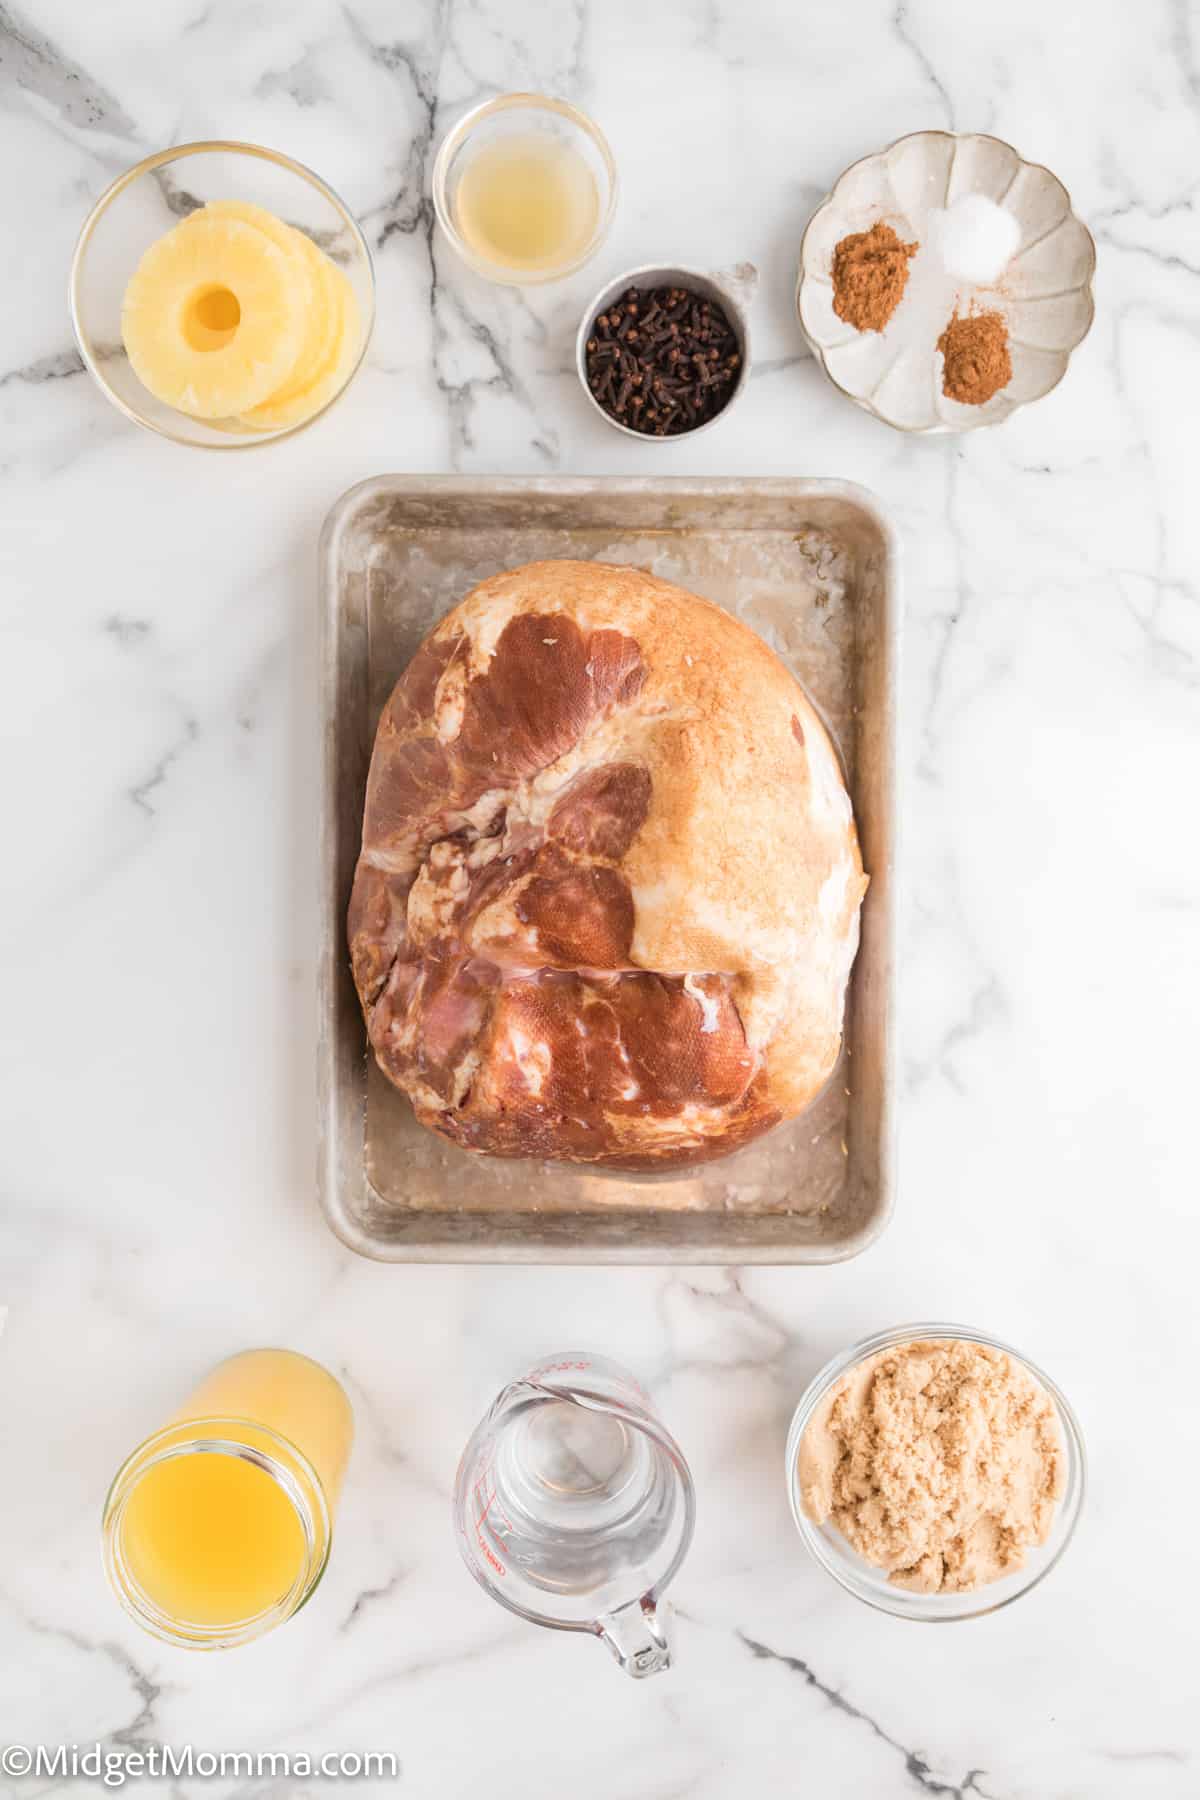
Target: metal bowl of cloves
[[663, 352]]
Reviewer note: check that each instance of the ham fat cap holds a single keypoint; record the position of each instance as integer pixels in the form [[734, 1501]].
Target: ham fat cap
[[608, 896]]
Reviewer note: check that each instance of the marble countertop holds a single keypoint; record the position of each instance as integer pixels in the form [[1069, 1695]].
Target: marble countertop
[[159, 912]]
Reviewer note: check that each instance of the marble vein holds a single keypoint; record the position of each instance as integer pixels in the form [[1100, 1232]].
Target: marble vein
[[32, 63], [984, 1006], [760, 1338], [127, 631], [951, 621], [902, 26], [370, 1596], [139, 1732], [1146, 1756], [1183, 45], [915, 1764], [60, 365], [142, 791]]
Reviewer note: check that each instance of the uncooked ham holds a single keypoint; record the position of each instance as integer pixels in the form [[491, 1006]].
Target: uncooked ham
[[608, 895]]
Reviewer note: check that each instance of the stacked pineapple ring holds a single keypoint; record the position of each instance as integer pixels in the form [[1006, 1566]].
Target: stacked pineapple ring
[[237, 318]]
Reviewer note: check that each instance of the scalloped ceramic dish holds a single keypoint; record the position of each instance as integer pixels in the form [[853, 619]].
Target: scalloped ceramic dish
[[1044, 293]]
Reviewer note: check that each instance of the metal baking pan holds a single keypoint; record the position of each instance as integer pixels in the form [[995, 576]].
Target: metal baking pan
[[812, 566]]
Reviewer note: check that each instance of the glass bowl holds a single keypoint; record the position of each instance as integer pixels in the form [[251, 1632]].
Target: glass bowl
[[515, 116], [1044, 292], [146, 202], [863, 1579]]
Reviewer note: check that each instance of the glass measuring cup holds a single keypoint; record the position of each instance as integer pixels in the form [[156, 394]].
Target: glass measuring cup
[[574, 1507]]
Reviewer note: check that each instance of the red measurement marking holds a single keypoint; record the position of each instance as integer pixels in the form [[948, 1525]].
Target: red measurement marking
[[489, 1555], [486, 1501]]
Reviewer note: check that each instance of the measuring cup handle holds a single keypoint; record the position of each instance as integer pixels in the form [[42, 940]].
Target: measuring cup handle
[[637, 1635]]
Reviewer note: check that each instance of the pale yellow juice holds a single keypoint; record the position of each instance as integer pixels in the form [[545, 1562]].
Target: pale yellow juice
[[219, 1521], [527, 202]]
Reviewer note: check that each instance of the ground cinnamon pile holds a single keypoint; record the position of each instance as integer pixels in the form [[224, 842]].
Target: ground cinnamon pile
[[870, 273], [976, 362]]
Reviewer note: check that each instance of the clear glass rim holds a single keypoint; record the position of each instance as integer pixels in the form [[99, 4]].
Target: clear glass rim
[[538, 1393], [287, 1466], [842, 1569], [223, 146], [453, 142]]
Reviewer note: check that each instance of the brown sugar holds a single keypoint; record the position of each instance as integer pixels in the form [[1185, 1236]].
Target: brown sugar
[[870, 274], [942, 1463], [975, 358]]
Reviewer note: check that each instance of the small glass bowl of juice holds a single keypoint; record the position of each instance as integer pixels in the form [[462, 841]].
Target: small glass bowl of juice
[[235, 306], [218, 1527], [525, 188]]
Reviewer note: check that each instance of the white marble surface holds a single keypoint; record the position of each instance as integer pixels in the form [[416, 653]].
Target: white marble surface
[[158, 680]]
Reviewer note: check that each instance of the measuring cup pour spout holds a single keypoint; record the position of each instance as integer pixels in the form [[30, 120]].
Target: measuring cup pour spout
[[638, 1634]]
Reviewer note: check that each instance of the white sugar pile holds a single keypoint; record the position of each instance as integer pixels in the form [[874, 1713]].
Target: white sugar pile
[[974, 238]]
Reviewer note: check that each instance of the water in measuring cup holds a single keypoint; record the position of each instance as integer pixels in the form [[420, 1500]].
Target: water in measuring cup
[[577, 1504]]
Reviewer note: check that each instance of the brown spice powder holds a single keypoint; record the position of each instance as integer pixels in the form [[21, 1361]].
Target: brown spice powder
[[870, 274], [975, 357]]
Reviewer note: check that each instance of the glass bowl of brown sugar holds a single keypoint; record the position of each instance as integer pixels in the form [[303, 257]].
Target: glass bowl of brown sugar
[[935, 1472], [945, 282]]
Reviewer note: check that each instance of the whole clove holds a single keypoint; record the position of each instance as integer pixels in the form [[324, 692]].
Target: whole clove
[[662, 361]]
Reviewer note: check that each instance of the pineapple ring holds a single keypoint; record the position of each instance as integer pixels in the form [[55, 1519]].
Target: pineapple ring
[[293, 404], [320, 308], [179, 339]]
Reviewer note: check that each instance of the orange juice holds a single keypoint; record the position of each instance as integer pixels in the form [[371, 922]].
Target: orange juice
[[291, 1395], [212, 1539], [218, 1527]]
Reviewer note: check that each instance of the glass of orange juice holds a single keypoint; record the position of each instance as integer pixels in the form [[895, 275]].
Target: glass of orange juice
[[218, 1527]]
